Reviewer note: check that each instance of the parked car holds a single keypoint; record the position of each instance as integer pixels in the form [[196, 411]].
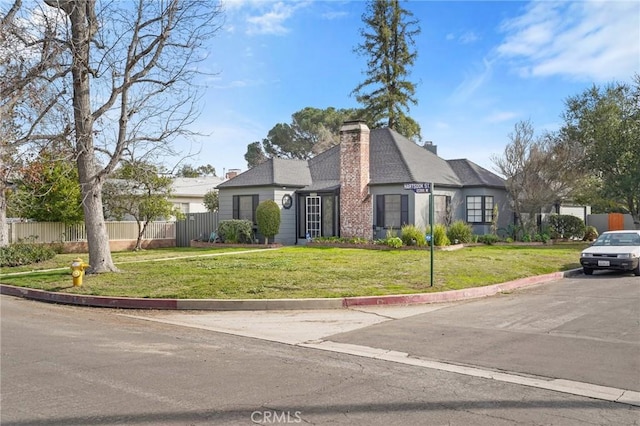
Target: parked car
[[616, 250]]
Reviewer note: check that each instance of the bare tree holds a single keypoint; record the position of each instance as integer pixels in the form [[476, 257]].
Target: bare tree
[[133, 70], [540, 172], [30, 112]]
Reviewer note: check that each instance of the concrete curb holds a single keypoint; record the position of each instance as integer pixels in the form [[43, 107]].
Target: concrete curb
[[278, 304]]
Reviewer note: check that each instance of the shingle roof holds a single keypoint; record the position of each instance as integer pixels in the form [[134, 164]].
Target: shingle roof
[[274, 171], [393, 159], [471, 174], [396, 159]]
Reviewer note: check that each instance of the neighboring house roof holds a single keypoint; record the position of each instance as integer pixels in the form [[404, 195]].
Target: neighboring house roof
[[393, 159], [194, 187], [471, 174]]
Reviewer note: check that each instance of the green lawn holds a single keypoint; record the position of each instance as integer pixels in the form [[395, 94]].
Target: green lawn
[[297, 272]]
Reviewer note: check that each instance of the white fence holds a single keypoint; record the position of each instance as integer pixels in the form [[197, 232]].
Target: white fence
[[50, 232]]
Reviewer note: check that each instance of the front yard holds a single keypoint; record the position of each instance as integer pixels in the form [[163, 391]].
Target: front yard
[[298, 272]]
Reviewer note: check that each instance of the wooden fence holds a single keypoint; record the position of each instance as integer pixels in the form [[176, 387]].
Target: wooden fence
[[53, 232]]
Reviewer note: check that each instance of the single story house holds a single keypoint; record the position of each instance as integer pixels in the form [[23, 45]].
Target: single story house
[[187, 194], [358, 189]]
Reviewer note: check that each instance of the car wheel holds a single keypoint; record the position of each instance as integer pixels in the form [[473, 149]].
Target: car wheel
[[587, 271], [636, 271]]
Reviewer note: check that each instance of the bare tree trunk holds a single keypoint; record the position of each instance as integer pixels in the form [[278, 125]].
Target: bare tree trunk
[[141, 228], [82, 27], [4, 226]]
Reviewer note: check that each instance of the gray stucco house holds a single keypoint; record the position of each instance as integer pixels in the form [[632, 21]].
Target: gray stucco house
[[357, 189]]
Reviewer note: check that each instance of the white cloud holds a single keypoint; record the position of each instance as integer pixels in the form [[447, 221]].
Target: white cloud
[[273, 21], [501, 116], [587, 40], [473, 82], [334, 15], [467, 37]]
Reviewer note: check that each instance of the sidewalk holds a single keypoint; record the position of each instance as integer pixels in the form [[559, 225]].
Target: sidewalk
[[279, 304]]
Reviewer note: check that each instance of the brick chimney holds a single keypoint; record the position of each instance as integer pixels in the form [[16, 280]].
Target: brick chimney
[[356, 209]]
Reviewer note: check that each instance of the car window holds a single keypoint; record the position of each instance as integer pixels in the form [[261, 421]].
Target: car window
[[628, 239]]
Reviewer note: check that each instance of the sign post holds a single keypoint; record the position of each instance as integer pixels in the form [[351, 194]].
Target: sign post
[[431, 226], [425, 188]]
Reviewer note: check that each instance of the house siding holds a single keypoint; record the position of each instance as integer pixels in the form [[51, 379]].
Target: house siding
[[287, 234], [500, 198]]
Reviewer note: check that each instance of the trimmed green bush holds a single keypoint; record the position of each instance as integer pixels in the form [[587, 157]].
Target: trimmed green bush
[[460, 232], [541, 238], [566, 226], [411, 235], [268, 218], [488, 239], [236, 231], [25, 253]]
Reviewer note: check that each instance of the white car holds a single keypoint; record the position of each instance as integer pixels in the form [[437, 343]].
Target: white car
[[617, 250]]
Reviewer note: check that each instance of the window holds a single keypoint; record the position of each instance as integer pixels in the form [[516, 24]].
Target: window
[[442, 209], [479, 209], [313, 216], [183, 207], [244, 207], [392, 211]]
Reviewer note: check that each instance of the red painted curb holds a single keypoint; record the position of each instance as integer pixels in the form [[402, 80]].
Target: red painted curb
[[449, 296]]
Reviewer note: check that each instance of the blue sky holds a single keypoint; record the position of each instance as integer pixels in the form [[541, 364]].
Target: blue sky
[[481, 67]]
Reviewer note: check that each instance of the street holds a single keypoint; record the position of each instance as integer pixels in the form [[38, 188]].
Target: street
[[492, 361]]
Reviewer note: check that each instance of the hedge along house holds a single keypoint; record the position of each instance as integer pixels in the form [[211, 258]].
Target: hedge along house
[[356, 189]]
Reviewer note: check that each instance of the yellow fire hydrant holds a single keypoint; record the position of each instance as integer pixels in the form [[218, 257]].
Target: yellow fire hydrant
[[77, 271]]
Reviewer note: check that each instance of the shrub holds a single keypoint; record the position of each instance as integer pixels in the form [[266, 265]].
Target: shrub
[[460, 232], [541, 238], [411, 235], [511, 232], [488, 239], [236, 231], [590, 233], [25, 253], [566, 226], [394, 242], [440, 235], [268, 218]]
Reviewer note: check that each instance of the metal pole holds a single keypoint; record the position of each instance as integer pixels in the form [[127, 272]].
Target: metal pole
[[431, 222]]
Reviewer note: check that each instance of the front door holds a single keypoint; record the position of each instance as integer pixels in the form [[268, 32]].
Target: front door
[[314, 216]]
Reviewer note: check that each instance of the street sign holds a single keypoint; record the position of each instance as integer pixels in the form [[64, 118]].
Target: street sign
[[419, 187]]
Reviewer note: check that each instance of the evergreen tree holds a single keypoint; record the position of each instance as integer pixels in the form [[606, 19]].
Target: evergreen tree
[[388, 43], [310, 132]]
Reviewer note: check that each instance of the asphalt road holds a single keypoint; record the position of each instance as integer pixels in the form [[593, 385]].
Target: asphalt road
[[64, 365], [585, 329]]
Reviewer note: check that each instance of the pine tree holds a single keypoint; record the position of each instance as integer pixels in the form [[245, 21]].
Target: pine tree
[[389, 45]]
